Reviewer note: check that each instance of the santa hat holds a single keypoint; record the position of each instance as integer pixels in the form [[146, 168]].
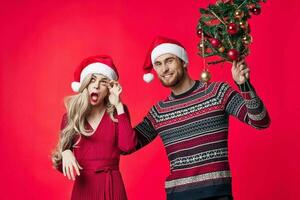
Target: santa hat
[[160, 46], [100, 64]]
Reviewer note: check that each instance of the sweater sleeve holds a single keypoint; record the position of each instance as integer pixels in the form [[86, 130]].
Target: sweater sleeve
[[246, 106], [145, 131], [126, 134]]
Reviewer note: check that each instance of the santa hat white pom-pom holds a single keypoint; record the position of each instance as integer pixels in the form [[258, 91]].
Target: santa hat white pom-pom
[[75, 86], [148, 77]]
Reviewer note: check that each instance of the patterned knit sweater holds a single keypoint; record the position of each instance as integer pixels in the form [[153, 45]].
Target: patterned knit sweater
[[194, 129]]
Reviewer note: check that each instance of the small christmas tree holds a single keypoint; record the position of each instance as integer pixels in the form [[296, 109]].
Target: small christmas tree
[[224, 30]]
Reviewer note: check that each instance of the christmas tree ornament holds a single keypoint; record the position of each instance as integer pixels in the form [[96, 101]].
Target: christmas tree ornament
[[215, 42], [205, 76], [233, 54], [251, 6], [247, 39], [255, 11], [201, 45], [221, 49], [243, 24], [199, 32], [226, 29], [226, 1], [232, 28], [238, 14]]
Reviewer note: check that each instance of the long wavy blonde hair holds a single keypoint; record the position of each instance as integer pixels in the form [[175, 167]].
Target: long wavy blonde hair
[[78, 108]]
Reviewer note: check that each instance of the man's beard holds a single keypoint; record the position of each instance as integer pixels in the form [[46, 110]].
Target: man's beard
[[179, 77]]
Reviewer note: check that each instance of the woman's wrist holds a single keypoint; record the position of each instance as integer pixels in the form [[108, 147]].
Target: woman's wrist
[[120, 108]]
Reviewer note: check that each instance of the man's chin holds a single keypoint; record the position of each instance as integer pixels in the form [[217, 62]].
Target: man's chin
[[170, 83]]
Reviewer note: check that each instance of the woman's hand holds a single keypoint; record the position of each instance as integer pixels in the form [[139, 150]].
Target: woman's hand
[[69, 163], [114, 93], [240, 72]]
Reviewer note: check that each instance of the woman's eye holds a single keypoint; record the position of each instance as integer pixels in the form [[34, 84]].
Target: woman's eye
[[170, 61]]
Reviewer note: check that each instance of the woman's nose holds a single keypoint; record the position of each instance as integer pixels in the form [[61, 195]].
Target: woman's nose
[[97, 85]]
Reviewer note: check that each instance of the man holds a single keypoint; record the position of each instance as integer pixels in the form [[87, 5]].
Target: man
[[193, 123]]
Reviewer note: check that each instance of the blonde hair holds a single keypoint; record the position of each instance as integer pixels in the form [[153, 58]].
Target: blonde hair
[[78, 108]]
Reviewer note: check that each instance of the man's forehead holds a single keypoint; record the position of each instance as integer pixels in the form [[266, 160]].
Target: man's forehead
[[165, 56]]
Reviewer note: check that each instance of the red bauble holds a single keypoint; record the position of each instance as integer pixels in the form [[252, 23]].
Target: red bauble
[[251, 6], [233, 54], [255, 11], [232, 28], [227, 1], [199, 32], [215, 42]]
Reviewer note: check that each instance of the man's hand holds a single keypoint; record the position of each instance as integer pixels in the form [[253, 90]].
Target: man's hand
[[240, 72], [69, 164]]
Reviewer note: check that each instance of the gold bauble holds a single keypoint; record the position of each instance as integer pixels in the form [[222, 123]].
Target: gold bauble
[[200, 45], [238, 14], [221, 49], [247, 39], [243, 24], [205, 76]]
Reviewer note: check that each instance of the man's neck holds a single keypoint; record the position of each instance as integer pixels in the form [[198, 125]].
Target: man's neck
[[183, 86]]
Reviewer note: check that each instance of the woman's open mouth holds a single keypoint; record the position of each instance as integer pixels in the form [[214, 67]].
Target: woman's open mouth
[[94, 97]]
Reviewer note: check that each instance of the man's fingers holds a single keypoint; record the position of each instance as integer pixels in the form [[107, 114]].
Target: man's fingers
[[245, 71], [234, 64], [241, 62], [242, 67], [247, 75]]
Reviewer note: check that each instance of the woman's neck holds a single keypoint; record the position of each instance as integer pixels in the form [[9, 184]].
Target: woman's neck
[[97, 110]]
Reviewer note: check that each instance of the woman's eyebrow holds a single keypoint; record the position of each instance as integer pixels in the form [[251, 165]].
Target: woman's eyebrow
[[104, 79]]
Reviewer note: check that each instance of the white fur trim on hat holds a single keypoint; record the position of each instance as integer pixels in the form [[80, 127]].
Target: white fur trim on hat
[[148, 77], [98, 68], [169, 48], [94, 68]]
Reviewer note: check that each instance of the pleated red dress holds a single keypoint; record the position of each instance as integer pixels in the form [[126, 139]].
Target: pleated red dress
[[99, 156]]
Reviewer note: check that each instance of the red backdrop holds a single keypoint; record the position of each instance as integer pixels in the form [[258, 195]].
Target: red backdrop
[[43, 41]]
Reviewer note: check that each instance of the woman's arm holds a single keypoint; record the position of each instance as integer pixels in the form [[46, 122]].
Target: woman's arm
[[126, 135]]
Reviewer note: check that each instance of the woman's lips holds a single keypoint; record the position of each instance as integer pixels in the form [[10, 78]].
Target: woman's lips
[[94, 97]]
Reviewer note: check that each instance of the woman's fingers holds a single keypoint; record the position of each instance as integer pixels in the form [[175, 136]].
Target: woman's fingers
[[75, 165], [68, 172], [64, 169], [72, 172], [79, 166]]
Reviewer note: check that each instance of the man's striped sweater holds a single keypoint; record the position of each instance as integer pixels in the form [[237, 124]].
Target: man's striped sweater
[[194, 129]]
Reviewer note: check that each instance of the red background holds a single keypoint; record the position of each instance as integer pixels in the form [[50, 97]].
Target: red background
[[41, 42]]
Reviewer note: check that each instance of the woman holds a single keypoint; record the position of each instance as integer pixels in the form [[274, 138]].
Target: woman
[[94, 132]]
